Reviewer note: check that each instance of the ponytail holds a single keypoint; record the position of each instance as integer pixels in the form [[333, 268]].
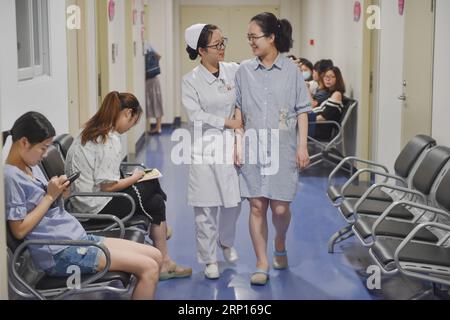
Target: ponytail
[[100, 125], [281, 29], [33, 126], [5, 135]]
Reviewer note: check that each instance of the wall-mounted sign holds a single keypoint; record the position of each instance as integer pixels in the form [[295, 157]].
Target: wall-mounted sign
[[357, 11], [111, 9], [401, 7]]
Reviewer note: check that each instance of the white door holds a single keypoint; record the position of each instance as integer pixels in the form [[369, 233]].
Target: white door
[[418, 68], [73, 77]]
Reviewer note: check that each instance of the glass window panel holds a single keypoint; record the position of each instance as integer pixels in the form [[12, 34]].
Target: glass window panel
[[23, 33]]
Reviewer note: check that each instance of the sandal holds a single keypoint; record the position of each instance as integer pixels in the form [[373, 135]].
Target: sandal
[[281, 255], [260, 277], [173, 273]]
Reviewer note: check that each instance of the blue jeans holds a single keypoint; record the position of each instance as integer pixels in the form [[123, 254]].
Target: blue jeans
[[86, 258]]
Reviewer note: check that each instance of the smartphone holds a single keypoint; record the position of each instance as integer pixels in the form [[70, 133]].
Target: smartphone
[[74, 177]]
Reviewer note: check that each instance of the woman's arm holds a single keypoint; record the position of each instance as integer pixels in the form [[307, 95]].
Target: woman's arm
[[20, 229], [122, 184], [302, 150], [331, 113], [196, 113]]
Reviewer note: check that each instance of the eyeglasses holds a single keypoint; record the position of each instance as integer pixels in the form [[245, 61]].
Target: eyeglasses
[[252, 39], [220, 46], [329, 77]]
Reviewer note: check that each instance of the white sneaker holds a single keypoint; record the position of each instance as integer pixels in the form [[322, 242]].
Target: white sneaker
[[212, 271], [230, 254]]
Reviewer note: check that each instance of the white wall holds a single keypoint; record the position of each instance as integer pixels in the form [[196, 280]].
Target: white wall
[[47, 95], [338, 37], [441, 105]]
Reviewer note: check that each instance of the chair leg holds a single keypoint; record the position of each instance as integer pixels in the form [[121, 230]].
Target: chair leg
[[343, 234]]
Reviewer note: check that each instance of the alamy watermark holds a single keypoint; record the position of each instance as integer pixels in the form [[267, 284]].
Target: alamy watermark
[[74, 280], [217, 147], [374, 280]]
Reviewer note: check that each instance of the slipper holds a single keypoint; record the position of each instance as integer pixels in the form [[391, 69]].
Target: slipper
[[169, 233], [259, 277], [173, 274], [277, 265]]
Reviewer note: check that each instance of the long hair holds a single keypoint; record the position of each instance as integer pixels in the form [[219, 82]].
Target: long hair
[[32, 125], [100, 125], [282, 29], [340, 84]]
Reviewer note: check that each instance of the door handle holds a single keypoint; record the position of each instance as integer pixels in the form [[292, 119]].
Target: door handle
[[402, 97]]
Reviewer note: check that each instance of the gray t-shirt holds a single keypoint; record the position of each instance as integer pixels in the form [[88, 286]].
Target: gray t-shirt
[[22, 195], [99, 163]]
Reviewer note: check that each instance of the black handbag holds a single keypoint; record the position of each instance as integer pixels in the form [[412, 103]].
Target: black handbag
[[152, 68]]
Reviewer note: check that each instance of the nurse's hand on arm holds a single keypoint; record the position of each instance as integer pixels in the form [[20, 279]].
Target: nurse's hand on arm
[[123, 183], [238, 149], [20, 229], [302, 149]]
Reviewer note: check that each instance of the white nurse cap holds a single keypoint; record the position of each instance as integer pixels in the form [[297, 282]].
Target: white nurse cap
[[192, 34]]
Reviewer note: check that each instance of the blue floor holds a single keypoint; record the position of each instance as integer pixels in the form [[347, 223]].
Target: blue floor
[[313, 273]]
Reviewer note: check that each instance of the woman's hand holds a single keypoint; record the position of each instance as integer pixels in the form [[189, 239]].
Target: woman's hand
[[138, 174], [302, 158], [233, 124], [56, 186]]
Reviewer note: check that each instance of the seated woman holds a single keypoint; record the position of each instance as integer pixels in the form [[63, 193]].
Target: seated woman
[[306, 67], [316, 86], [32, 215], [330, 109], [97, 153]]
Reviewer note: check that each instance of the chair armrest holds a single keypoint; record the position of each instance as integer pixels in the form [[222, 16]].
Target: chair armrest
[[397, 204], [410, 237], [326, 122], [108, 195], [353, 160], [90, 216], [77, 243], [379, 186], [375, 172], [425, 208], [130, 164]]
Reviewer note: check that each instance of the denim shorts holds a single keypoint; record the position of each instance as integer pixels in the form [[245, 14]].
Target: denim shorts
[[86, 258]]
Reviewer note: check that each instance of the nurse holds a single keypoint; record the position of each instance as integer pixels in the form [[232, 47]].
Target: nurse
[[274, 101], [208, 95]]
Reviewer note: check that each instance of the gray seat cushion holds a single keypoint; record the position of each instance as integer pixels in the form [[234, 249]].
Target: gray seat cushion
[[374, 208], [48, 283], [384, 250], [357, 191], [391, 228]]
